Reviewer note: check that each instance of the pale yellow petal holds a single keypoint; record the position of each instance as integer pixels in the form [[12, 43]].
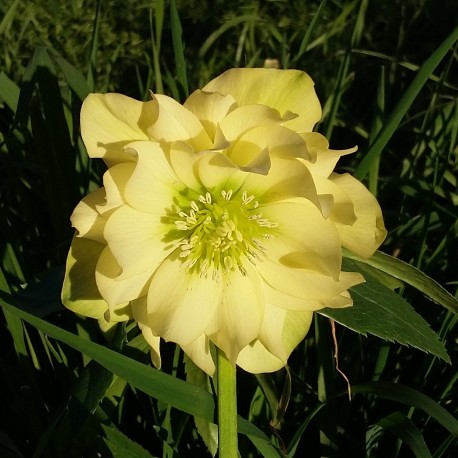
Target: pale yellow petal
[[115, 288], [177, 123], [199, 352], [286, 178], [87, 220], [114, 181], [181, 304], [256, 359], [239, 315], [80, 293], [136, 240], [151, 187], [323, 160], [246, 117], [217, 172], [183, 160], [303, 239], [210, 109], [110, 121], [284, 90], [368, 232], [305, 284], [140, 314]]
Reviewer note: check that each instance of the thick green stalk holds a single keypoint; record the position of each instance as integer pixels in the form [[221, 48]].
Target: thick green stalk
[[227, 408]]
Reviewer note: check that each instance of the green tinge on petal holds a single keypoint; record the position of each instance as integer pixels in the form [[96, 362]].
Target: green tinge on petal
[[210, 109], [182, 160], [284, 90], [199, 352], [368, 232], [80, 293], [151, 187], [177, 123], [86, 219], [240, 312], [140, 314], [110, 121], [181, 304]]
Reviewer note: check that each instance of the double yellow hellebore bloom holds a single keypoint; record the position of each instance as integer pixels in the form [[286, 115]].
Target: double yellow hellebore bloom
[[220, 220]]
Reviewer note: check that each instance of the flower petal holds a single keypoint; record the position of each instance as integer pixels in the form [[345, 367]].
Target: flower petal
[[323, 159], [80, 293], [180, 314], [153, 183], [114, 181], [175, 123], [239, 315], [199, 352], [210, 109], [86, 219], [284, 90], [140, 313], [136, 240], [304, 238], [110, 121], [367, 233], [305, 284], [255, 358], [115, 288]]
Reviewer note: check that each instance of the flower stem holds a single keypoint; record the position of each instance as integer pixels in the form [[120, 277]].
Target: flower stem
[[227, 408]]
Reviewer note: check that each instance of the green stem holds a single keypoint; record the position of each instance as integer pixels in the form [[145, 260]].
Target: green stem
[[227, 408]]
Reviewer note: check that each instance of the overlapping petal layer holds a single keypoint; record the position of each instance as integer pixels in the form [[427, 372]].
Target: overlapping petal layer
[[221, 221]]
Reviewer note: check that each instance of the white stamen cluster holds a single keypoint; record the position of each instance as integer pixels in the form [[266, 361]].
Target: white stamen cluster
[[220, 232]]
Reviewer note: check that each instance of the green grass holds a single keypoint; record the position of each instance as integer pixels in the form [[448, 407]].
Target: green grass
[[387, 76]]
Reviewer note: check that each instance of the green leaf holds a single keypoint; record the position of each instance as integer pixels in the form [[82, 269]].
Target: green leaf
[[379, 311], [410, 275], [121, 446], [170, 390], [403, 428], [410, 397]]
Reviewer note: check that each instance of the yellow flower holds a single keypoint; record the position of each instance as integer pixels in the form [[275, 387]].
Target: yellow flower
[[220, 220]]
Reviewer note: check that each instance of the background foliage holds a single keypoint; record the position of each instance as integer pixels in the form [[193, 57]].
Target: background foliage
[[65, 397]]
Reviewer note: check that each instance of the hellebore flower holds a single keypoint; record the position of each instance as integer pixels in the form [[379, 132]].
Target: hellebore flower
[[220, 220]]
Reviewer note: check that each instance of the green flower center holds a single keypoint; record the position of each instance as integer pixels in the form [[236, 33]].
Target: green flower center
[[219, 232]]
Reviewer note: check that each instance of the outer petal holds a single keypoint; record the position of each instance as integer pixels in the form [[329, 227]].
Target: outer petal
[[110, 121], [239, 315], [199, 352], [115, 288], [210, 109], [176, 122], [180, 313], [136, 240], [86, 219], [368, 231], [255, 358], [79, 292], [139, 311], [284, 90]]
